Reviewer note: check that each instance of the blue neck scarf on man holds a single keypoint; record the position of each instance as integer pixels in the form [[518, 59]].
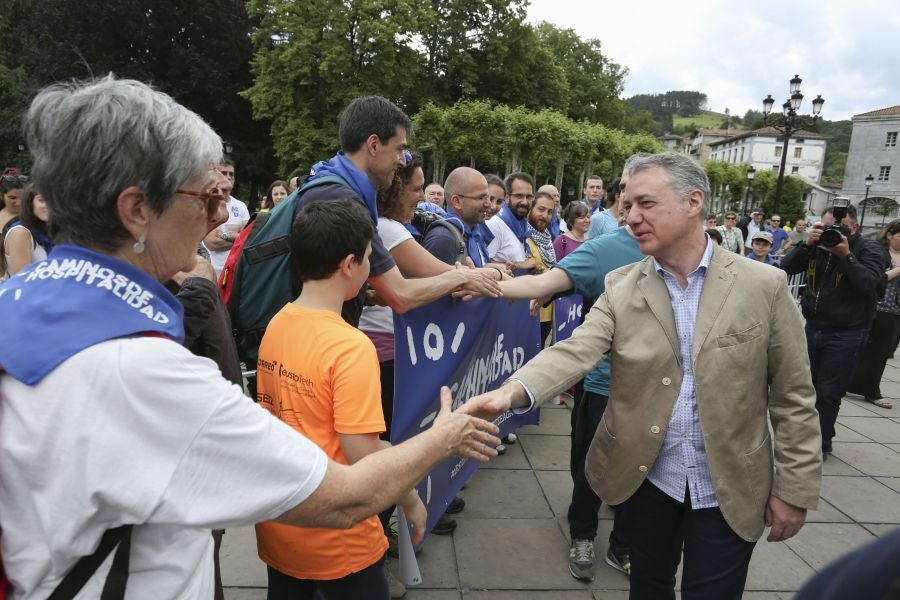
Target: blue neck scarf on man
[[476, 240], [358, 181], [76, 298], [519, 227], [554, 225]]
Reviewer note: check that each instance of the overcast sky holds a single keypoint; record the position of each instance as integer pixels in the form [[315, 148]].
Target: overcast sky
[[738, 52]]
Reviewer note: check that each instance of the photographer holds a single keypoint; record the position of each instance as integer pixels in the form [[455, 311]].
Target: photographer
[[846, 277]]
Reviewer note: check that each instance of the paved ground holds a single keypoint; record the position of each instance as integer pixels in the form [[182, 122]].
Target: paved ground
[[512, 540]]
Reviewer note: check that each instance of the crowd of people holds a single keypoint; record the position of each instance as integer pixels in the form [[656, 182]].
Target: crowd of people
[[119, 435]]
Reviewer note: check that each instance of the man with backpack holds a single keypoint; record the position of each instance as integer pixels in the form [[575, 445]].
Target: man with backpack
[[372, 134], [466, 193]]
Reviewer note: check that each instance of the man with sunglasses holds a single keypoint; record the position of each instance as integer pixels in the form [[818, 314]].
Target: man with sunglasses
[[220, 239], [781, 241]]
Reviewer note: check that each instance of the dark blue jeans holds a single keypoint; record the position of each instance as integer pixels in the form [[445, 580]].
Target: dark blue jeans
[[585, 502], [657, 527], [368, 584], [833, 357]]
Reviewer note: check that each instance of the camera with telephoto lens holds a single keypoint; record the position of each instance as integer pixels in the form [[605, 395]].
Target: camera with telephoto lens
[[831, 234]]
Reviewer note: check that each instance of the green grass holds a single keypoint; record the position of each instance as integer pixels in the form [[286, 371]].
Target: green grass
[[704, 119]]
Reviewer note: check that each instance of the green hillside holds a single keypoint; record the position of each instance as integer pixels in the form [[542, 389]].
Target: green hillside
[[706, 118]]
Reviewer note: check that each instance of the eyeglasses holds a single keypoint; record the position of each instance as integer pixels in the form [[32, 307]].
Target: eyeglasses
[[213, 198], [528, 197], [482, 198], [775, 220], [23, 179]]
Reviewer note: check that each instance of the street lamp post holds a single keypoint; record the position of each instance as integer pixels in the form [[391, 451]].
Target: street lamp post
[[862, 219], [751, 173], [789, 123]]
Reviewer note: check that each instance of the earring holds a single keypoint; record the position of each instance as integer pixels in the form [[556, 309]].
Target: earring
[[138, 246]]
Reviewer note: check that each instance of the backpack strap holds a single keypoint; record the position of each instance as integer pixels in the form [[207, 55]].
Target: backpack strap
[[84, 569], [457, 236]]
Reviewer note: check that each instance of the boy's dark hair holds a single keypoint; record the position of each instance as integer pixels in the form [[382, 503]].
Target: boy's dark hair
[[325, 232], [367, 115]]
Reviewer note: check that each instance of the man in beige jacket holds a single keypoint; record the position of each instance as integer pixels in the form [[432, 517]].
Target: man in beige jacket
[[706, 348]]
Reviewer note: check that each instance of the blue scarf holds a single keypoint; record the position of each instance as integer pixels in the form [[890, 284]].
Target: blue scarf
[[476, 240], [358, 181], [554, 225], [55, 308], [519, 227]]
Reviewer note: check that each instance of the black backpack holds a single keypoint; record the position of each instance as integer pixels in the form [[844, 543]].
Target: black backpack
[[423, 220]]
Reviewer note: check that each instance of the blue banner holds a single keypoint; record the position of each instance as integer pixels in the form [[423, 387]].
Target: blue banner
[[566, 316], [471, 347]]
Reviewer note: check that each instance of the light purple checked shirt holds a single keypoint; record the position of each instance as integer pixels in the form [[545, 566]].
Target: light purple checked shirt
[[682, 460]]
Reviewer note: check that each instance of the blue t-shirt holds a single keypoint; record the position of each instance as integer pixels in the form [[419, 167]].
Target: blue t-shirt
[[602, 222], [587, 267], [779, 235]]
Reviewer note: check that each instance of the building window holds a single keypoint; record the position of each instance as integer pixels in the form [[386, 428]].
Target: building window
[[798, 152], [884, 174], [777, 151], [795, 170], [742, 154], [775, 168], [891, 139]]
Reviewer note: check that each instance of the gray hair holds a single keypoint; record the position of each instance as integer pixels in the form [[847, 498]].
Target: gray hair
[[683, 173], [91, 140]]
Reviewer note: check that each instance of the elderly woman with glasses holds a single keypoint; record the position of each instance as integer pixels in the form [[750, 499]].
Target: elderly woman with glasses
[[732, 236], [110, 430]]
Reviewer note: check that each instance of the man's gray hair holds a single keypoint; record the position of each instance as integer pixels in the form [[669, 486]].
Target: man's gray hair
[[683, 172], [91, 140]]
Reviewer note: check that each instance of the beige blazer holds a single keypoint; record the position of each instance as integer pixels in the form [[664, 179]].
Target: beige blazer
[[750, 367]]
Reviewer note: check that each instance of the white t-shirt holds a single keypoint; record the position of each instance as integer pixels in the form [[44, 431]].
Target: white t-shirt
[[380, 319], [238, 215], [505, 245], [37, 251], [752, 228], [140, 431]]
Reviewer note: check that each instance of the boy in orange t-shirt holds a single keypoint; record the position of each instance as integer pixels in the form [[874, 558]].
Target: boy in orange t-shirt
[[320, 375]]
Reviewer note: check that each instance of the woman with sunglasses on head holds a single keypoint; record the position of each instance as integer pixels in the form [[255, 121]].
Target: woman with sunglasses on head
[[12, 187], [25, 239], [112, 431]]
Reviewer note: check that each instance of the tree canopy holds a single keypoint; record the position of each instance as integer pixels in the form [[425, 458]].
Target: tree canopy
[[547, 144], [313, 57]]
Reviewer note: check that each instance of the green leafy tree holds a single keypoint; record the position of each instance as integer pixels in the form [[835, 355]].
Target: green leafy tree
[[503, 139], [517, 69], [764, 186], [15, 84], [197, 53], [315, 56], [595, 82]]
